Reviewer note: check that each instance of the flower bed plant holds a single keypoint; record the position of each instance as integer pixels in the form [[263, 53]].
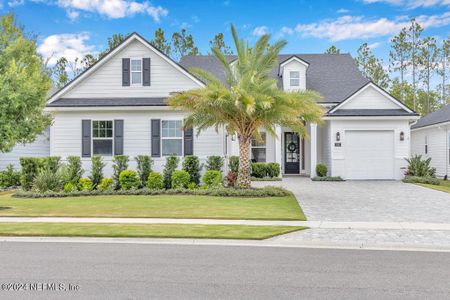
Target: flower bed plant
[[327, 178]]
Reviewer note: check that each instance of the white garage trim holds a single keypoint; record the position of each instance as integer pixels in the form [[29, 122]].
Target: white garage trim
[[369, 154]]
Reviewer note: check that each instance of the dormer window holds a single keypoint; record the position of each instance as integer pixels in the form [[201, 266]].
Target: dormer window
[[136, 71], [294, 78]]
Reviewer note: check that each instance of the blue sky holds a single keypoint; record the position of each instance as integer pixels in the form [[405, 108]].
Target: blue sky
[[76, 27]]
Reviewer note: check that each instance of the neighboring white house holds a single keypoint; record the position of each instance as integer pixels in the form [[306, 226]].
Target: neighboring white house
[[118, 106], [431, 138]]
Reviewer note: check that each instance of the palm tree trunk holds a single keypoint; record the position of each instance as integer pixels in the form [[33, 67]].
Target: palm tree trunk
[[243, 179]]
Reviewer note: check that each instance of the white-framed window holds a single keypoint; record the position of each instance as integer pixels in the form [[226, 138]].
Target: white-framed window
[[102, 137], [426, 144], [259, 149], [136, 71], [294, 78], [172, 137]]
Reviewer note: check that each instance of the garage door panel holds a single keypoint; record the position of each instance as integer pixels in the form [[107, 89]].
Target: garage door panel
[[369, 154]]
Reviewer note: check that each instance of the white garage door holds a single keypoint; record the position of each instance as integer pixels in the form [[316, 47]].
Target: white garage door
[[369, 154]]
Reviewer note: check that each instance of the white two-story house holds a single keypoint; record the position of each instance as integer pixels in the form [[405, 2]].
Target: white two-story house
[[118, 106]]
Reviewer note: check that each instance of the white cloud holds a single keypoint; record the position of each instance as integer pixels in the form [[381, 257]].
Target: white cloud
[[260, 30], [1, 4], [342, 11], [115, 8], [358, 27], [13, 3], [69, 45], [73, 14], [411, 4], [374, 45], [287, 30]]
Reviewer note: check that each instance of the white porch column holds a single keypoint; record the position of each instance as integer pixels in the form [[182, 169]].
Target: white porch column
[[278, 147], [313, 149]]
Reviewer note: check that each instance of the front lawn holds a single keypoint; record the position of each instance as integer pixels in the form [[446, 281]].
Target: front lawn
[[156, 206], [443, 187], [145, 230]]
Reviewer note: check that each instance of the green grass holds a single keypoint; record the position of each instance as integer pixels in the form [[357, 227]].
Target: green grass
[[158, 206], [145, 230], [443, 187]]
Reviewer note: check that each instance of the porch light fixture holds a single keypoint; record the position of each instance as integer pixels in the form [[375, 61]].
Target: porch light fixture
[[338, 136], [402, 136]]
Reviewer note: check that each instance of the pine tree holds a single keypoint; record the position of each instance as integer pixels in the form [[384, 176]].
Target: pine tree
[[333, 50], [371, 66], [160, 42], [183, 44], [427, 59], [414, 45], [398, 57], [219, 43]]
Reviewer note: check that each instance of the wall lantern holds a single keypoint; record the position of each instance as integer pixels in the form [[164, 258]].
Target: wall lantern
[[338, 136], [402, 136]]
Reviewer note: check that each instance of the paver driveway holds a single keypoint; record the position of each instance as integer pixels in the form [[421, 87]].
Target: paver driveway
[[367, 201]]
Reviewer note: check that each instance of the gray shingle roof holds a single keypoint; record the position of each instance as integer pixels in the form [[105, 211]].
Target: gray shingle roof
[[334, 76], [96, 102], [439, 116], [370, 112]]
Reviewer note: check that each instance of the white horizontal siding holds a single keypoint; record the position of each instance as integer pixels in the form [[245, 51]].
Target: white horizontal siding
[[437, 148], [370, 98], [294, 66], [66, 135], [106, 81], [39, 148]]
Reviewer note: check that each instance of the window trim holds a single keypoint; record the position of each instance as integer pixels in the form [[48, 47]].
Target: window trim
[[171, 138], [102, 138], [141, 71], [260, 146], [293, 78]]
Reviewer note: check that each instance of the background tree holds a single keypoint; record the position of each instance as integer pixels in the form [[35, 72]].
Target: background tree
[[60, 75], [427, 58], [371, 66], [183, 44], [24, 84], [248, 101], [160, 42], [219, 43], [333, 50], [113, 41], [398, 57], [414, 44], [443, 62]]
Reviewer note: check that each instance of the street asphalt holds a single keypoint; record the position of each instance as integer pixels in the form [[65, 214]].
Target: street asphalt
[[144, 271]]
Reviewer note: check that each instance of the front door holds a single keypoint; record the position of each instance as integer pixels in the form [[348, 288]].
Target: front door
[[291, 153]]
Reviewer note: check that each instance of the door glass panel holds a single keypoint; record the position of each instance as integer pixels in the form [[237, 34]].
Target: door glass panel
[[292, 149]]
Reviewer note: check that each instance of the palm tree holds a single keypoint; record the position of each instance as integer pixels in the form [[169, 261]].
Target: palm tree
[[248, 101]]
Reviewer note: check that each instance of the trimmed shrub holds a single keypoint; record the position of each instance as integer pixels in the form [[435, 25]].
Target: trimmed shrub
[[267, 179], [144, 167], [180, 179], [327, 178], [47, 180], [30, 169], [212, 178], [233, 164], [51, 163], [155, 181], [9, 177], [268, 191], [70, 187], [120, 163], [424, 180], [129, 180], [420, 168], [106, 185], [97, 170], [74, 170], [231, 178], [85, 184], [192, 186], [273, 170], [321, 170], [170, 166], [214, 163], [191, 164], [259, 170]]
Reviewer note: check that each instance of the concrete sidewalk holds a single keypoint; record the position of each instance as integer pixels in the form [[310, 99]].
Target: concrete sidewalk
[[310, 224]]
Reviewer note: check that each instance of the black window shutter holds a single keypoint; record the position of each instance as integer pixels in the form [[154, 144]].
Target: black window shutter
[[146, 71], [118, 137], [86, 138], [156, 137], [188, 141], [125, 72]]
